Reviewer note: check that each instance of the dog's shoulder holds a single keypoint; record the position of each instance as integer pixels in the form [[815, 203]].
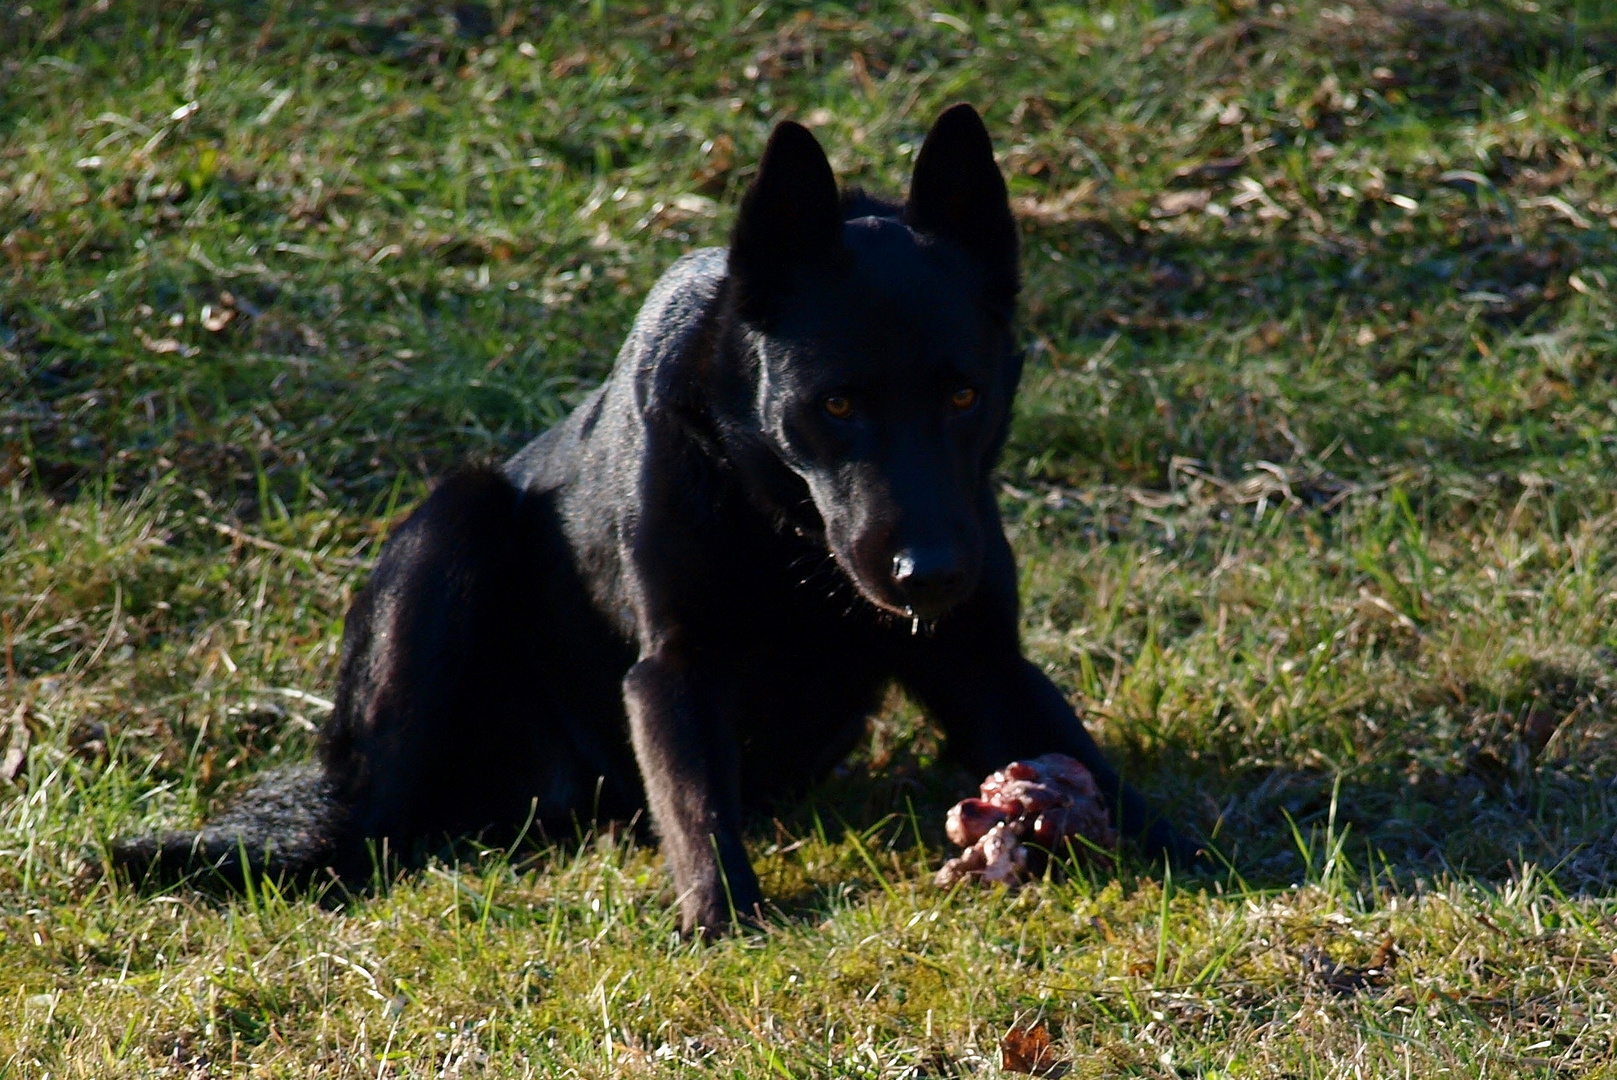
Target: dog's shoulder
[[673, 324], [677, 312]]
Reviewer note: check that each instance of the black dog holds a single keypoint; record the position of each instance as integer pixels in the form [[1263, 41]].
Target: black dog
[[691, 594]]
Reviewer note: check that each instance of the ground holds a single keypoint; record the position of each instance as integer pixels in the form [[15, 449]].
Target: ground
[[1312, 482]]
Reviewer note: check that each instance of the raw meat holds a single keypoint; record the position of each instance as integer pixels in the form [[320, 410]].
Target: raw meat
[[1041, 802]]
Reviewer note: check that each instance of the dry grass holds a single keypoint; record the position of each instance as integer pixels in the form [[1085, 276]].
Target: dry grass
[[1311, 481]]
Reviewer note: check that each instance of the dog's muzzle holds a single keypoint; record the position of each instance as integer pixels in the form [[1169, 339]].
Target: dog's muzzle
[[930, 580]]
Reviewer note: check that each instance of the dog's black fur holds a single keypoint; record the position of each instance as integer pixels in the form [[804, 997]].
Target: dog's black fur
[[691, 594]]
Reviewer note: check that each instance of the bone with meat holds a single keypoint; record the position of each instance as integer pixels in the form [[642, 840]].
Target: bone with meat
[[1043, 802]]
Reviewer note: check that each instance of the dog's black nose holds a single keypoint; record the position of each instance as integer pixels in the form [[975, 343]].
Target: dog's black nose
[[930, 579]]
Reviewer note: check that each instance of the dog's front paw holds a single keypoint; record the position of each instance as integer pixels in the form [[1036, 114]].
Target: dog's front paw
[[717, 906], [1181, 851]]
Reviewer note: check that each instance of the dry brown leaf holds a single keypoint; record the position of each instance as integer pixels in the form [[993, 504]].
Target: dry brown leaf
[[1028, 1050], [721, 161], [1350, 979], [570, 64], [1174, 203], [1210, 171], [215, 319], [16, 753], [1057, 208], [164, 344]]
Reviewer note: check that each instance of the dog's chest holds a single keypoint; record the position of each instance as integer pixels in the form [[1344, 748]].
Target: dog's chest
[[805, 669]]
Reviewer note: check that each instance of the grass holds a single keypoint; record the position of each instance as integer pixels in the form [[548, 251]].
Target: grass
[[1312, 483]]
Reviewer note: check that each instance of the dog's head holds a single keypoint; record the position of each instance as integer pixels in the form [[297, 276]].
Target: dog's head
[[877, 353]]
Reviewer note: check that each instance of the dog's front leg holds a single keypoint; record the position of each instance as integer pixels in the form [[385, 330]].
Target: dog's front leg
[[690, 764]]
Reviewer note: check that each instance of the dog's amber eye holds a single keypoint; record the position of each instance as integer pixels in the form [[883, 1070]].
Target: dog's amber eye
[[839, 406], [963, 398]]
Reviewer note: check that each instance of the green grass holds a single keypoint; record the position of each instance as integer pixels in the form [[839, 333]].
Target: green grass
[[1314, 482]]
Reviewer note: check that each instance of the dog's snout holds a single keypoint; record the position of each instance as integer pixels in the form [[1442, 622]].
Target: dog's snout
[[930, 579]]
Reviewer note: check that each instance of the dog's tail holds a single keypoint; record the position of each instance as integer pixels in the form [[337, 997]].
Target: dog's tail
[[288, 827]]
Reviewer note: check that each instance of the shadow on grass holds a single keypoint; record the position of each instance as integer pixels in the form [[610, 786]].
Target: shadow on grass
[[1479, 790], [1481, 794], [868, 830]]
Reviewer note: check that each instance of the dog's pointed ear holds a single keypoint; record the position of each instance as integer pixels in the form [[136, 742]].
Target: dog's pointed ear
[[789, 216], [957, 193]]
